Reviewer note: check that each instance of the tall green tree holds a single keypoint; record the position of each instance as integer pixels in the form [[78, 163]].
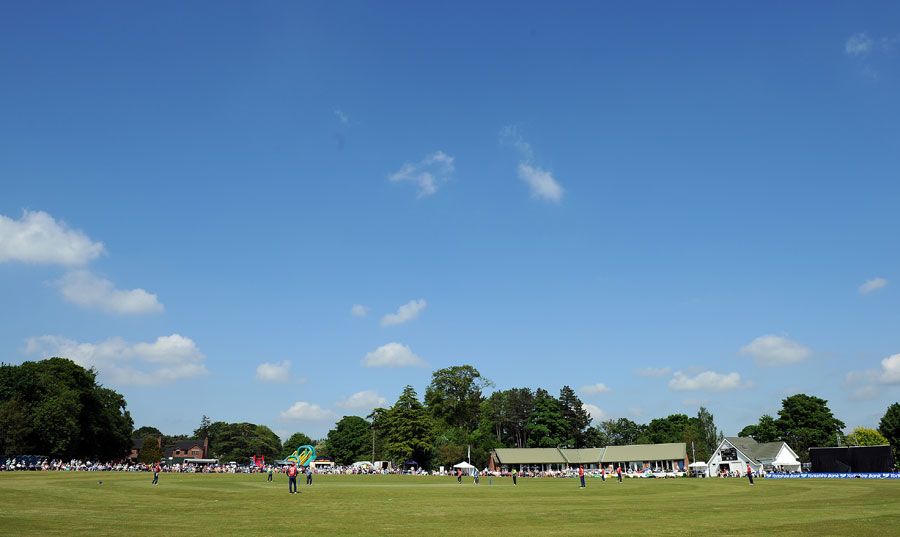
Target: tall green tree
[[141, 432], [451, 445], [547, 426], [710, 436], [150, 451], [669, 429], [519, 406], [889, 426], [350, 440], [454, 396], [240, 441], [576, 417], [56, 407], [805, 421], [621, 432], [766, 430], [408, 430], [862, 436], [202, 430], [377, 421]]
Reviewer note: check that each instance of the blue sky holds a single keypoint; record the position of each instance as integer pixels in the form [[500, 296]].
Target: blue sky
[[691, 204]]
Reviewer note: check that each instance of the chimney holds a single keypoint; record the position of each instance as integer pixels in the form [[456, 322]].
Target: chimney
[[205, 447]]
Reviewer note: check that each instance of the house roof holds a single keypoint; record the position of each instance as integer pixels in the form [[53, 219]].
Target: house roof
[[529, 456], [188, 444], [184, 445], [648, 452], [645, 452], [755, 450], [582, 456]]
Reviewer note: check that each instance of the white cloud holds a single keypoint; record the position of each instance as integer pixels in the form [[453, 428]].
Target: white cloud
[[358, 310], [869, 383], [512, 137], [167, 359], [707, 380], [872, 285], [405, 313], [428, 174], [363, 400], [775, 351], [890, 370], [392, 355], [303, 411], [274, 372], [594, 389], [84, 289], [654, 371], [597, 413], [858, 45], [39, 238], [541, 183], [342, 117]]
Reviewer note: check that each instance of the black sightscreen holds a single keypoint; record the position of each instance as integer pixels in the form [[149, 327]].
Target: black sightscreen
[[851, 459]]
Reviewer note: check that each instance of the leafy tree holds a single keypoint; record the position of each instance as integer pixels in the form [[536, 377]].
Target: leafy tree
[[621, 432], [576, 417], [493, 416], [709, 435], [889, 426], [16, 428], [55, 407], [805, 421], [454, 396], [668, 429], [766, 430], [862, 436], [408, 430], [350, 440], [150, 451], [202, 431], [547, 426], [450, 446], [291, 444], [107, 425], [594, 438], [141, 432], [518, 407], [377, 420], [240, 441]]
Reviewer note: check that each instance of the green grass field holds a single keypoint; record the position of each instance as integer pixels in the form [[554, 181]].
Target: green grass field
[[37, 503]]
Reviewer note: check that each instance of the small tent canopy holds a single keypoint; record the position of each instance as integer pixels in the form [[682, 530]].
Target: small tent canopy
[[465, 467], [363, 464], [698, 465]]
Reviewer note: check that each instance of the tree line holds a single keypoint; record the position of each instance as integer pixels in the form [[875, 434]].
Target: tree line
[[55, 407]]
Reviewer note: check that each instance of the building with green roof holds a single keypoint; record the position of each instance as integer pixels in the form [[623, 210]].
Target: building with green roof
[[669, 457]]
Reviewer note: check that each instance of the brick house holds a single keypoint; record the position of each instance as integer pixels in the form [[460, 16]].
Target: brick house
[[191, 448]]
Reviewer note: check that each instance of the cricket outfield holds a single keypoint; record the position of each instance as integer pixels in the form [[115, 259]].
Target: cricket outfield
[[73, 504]]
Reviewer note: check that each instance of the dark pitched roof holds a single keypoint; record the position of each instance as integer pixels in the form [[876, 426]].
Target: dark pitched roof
[[754, 449], [184, 445]]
